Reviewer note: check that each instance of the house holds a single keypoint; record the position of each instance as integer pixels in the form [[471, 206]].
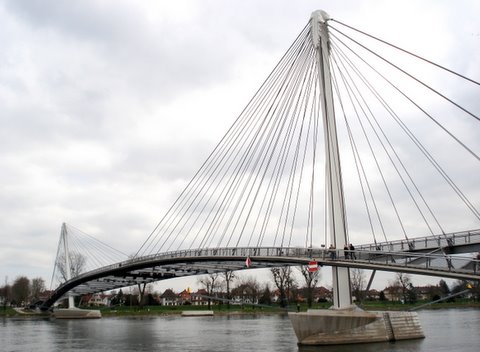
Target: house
[[98, 299], [372, 295], [393, 293], [425, 293], [185, 297], [198, 298], [169, 298], [322, 294]]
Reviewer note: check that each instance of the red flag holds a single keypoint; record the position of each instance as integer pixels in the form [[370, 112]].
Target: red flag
[[248, 262], [312, 266]]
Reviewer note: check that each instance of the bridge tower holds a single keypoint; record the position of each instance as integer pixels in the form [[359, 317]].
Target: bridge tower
[[336, 214], [64, 238]]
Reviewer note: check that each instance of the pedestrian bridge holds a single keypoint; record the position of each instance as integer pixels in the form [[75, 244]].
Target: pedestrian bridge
[[207, 261]]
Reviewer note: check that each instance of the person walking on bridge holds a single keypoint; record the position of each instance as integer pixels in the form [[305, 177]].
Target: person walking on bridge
[[352, 251], [345, 250], [332, 251]]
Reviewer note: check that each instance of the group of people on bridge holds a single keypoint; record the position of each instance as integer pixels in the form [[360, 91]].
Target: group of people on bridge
[[349, 251]]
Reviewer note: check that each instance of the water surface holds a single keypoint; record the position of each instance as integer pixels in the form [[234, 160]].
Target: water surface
[[452, 330]]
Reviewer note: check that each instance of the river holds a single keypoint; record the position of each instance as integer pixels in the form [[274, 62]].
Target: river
[[453, 330]]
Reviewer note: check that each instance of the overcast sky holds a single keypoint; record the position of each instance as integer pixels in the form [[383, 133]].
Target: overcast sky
[[107, 108]]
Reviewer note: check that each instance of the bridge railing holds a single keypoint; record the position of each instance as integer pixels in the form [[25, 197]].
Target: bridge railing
[[418, 260], [232, 252], [240, 252], [434, 241]]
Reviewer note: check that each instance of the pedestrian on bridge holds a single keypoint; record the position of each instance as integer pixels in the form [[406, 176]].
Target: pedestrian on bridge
[[345, 250], [352, 251], [332, 251]]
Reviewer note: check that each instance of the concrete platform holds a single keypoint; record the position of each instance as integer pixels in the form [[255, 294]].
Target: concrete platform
[[353, 325], [197, 313]]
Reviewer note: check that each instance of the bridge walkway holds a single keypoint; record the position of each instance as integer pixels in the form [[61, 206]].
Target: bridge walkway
[[207, 261]]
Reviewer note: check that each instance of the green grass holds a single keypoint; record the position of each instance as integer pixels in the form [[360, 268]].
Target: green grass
[[275, 309], [164, 310], [7, 312], [388, 305], [247, 309]]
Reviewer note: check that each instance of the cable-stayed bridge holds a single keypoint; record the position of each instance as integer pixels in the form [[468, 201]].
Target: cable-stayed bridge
[[277, 192]]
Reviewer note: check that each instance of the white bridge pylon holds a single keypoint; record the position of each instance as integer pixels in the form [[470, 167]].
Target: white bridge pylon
[[342, 296]]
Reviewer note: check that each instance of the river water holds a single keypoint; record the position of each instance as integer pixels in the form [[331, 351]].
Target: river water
[[453, 330]]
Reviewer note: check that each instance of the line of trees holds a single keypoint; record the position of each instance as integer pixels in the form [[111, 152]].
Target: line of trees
[[249, 288], [23, 291], [229, 284]]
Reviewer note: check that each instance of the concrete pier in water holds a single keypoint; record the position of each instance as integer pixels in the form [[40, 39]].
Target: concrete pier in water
[[354, 325]]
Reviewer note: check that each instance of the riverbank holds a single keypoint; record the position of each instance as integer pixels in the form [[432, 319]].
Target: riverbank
[[127, 311]]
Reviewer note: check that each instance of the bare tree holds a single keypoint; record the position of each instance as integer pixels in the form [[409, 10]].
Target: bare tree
[[210, 283], [36, 288], [228, 277], [403, 283], [77, 265], [284, 281], [142, 286], [311, 281], [357, 281]]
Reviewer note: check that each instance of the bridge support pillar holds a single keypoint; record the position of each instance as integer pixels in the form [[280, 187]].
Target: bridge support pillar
[[333, 175], [71, 302], [348, 326], [344, 322], [342, 297]]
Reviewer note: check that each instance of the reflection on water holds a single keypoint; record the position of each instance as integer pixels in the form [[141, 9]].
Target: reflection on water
[[446, 330]]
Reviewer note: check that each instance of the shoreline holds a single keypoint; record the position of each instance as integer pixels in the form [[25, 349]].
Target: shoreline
[[158, 311]]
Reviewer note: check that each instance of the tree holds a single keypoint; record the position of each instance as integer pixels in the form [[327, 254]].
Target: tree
[[311, 281], [141, 293], [381, 296], [210, 283], [228, 276], [411, 294], [36, 288], [266, 296], [21, 290], [403, 282], [459, 286], [77, 265], [444, 289], [284, 281], [5, 294], [357, 281], [118, 299]]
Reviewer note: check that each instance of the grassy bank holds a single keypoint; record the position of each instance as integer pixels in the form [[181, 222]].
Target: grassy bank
[[177, 310], [8, 312], [235, 309], [127, 311]]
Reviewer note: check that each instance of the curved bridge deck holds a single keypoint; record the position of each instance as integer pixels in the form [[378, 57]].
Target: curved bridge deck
[[206, 261]]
